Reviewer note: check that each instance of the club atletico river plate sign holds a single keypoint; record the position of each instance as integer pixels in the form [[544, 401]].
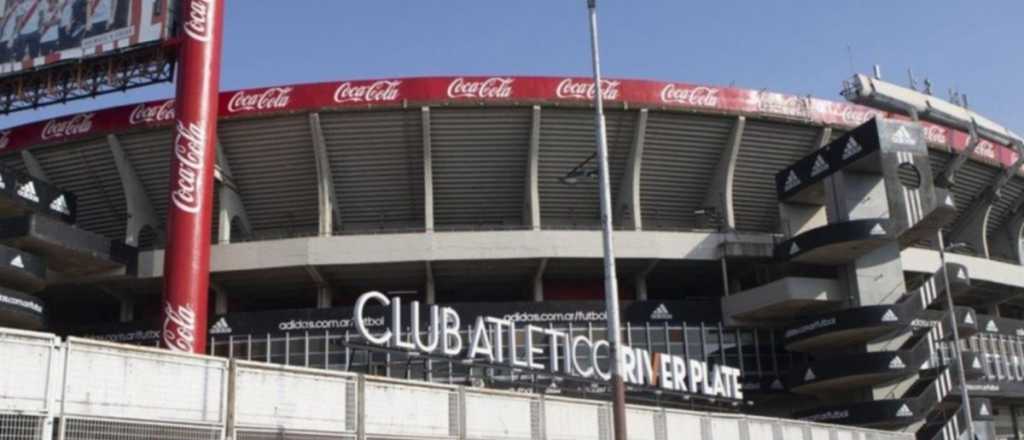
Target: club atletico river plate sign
[[495, 340]]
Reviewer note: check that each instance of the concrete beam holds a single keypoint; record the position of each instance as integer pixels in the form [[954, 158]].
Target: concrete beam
[[972, 225], [627, 206], [35, 170], [139, 207], [531, 198], [720, 191], [824, 137], [327, 204], [538, 280], [231, 205], [947, 179], [428, 173]]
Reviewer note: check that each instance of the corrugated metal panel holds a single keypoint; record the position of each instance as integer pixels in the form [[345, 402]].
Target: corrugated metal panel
[[479, 159], [681, 153], [1001, 211], [767, 147], [274, 167], [377, 165], [566, 139], [88, 170]]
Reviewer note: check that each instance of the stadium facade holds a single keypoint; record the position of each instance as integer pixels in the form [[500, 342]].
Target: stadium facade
[[791, 238]]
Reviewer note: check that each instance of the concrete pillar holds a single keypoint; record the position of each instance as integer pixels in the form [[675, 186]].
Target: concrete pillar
[[719, 193], [428, 173], [137, 203], [220, 300], [640, 281], [127, 309], [538, 280], [35, 170], [531, 200], [324, 297], [327, 206], [627, 204], [430, 294]]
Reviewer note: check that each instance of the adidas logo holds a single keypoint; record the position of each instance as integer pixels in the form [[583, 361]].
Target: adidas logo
[[991, 327], [28, 192], [776, 385], [969, 319], [16, 262], [897, 364], [983, 411], [878, 229], [889, 316], [794, 249], [961, 274], [809, 376], [3, 185], [976, 364], [904, 411], [903, 137], [661, 313], [949, 201], [792, 181], [60, 205], [820, 166], [852, 147], [221, 327]]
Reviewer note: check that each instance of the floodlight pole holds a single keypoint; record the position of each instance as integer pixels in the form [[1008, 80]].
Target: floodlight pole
[[611, 288], [190, 204], [965, 400]]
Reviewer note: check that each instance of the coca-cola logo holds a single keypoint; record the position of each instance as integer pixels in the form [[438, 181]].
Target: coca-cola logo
[[179, 330], [5, 139], [985, 149], [189, 143], [935, 134], [777, 103], [490, 88], [837, 112], [75, 125], [272, 98], [379, 91], [569, 88], [197, 20], [699, 96], [148, 114]]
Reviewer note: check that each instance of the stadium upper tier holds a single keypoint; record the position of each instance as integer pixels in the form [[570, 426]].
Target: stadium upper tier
[[476, 154]]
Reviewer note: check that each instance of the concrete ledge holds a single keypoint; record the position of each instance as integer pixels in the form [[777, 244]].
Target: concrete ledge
[[783, 300], [440, 246]]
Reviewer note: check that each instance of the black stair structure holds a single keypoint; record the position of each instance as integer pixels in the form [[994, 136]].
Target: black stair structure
[[881, 358], [40, 244]]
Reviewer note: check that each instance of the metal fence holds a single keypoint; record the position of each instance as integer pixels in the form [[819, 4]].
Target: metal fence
[[102, 391]]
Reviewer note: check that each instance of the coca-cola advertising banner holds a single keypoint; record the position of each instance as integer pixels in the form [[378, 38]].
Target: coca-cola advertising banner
[[499, 90], [37, 33]]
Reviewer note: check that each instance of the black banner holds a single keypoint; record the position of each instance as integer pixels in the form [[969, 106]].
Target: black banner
[[577, 313], [21, 310]]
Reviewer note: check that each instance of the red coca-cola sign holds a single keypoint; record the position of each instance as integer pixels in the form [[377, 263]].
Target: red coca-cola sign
[[377, 91], [570, 88], [60, 128], [149, 114], [179, 326], [188, 150], [269, 99], [697, 96], [490, 88], [197, 19]]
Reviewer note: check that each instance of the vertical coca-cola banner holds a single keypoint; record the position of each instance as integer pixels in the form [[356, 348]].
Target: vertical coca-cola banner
[[187, 258]]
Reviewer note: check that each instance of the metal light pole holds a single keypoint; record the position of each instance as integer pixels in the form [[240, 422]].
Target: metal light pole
[[965, 401], [611, 288]]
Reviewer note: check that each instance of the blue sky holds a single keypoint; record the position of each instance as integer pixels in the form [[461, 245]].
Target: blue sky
[[784, 45]]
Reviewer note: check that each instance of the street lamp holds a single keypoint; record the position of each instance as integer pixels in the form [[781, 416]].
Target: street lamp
[[965, 401], [611, 289]]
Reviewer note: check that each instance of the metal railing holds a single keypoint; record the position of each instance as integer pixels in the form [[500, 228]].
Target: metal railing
[[103, 391]]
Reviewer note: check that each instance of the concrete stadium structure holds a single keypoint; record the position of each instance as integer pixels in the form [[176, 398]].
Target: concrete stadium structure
[[477, 190]]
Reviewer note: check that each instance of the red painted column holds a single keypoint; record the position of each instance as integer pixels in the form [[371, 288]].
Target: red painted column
[[187, 257]]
